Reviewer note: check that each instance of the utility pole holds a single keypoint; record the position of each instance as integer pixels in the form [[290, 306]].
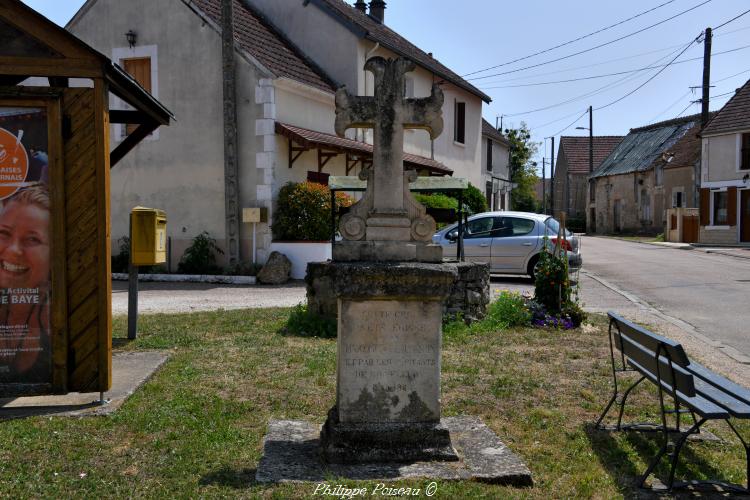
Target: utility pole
[[552, 180], [706, 76], [591, 140], [544, 185], [231, 168]]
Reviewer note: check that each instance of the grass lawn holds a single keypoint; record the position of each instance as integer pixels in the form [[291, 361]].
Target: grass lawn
[[195, 429]]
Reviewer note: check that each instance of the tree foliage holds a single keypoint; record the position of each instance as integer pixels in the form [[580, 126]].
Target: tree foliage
[[522, 168]]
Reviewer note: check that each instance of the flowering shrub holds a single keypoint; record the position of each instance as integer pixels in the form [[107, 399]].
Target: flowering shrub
[[303, 212], [552, 284]]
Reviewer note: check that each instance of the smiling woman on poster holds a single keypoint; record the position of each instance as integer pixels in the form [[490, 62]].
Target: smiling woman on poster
[[25, 234], [25, 283]]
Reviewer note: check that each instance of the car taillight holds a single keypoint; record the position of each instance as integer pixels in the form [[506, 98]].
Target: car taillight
[[565, 244]]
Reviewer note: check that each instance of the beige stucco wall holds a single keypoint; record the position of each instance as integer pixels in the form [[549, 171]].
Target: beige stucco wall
[[627, 190], [676, 179], [720, 158], [180, 169], [499, 171]]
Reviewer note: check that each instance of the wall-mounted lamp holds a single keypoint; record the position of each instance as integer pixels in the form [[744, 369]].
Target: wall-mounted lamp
[[746, 178], [131, 36]]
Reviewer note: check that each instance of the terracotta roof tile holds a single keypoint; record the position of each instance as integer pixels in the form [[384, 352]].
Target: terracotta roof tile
[[310, 138], [256, 36], [734, 116], [576, 151], [393, 41]]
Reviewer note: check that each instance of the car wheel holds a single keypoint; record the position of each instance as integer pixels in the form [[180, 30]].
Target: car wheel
[[531, 270]]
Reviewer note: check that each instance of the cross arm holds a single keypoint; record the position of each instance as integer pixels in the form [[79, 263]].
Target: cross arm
[[426, 112], [353, 111]]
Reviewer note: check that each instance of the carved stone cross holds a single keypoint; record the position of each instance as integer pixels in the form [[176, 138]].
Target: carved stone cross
[[388, 211]]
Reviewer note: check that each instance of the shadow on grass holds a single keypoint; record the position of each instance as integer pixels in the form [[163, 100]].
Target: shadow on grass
[[238, 479], [616, 451]]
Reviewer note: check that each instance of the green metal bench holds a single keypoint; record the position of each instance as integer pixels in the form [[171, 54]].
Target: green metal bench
[[692, 388]]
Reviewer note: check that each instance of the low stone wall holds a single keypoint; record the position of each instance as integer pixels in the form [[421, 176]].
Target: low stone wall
[[468, 297], [719, 236]]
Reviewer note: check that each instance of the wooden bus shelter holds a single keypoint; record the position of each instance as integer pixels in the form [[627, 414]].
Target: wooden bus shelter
[[76, 177]]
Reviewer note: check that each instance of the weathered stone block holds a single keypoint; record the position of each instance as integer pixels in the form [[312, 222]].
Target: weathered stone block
[[389, 360]]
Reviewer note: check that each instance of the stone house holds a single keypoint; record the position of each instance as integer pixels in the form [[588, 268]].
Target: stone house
[[725, 174], [496, 170], [572, 171], [284, 104], [653, 168]]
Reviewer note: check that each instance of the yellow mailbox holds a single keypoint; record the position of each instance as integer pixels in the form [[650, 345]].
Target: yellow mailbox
[[148, 236]]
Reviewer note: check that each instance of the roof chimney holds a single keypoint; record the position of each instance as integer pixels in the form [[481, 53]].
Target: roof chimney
[[361, 6], [377, 10]]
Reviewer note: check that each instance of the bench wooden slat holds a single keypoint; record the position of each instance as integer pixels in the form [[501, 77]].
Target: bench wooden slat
[[651, 340], [720, 382], [734, 406], [679, 378], [698, 404]]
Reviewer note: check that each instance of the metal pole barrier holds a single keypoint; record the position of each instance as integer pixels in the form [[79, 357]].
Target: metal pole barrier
[[132, 292], [254, 224]]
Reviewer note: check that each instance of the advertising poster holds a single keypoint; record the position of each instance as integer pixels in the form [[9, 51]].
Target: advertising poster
[[25, 234]]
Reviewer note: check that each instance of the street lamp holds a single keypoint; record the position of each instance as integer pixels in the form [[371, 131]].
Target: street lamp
[[591, 153]]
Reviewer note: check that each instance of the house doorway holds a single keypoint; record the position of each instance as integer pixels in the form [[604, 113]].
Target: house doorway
[[617, 210], [745, 216]]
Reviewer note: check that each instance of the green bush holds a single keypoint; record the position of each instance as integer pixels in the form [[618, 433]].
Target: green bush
[[303, 212], [200, 256], [475, 200], [437, 200], [303, 323], [508, 310], [243, 268]]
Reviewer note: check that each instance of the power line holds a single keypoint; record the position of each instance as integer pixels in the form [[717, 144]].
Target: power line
[[572, 123], [591, 93], [591, 48], [731, 20], [610, 61], [686, 108], [571, 41], [651, 78], [556, 120], [652, 120], [637, 70]]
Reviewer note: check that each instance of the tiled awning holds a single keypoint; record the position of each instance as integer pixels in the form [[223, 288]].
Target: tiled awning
[[310, 139]]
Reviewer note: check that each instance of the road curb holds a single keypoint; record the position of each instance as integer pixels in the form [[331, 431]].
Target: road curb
[[729, 351], [190, 278]]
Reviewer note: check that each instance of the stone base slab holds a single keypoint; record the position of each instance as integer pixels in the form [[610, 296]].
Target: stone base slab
[[291, 453], [387, 251], [360, 442]]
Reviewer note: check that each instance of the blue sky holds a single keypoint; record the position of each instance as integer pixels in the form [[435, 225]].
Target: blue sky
[[470, 35]]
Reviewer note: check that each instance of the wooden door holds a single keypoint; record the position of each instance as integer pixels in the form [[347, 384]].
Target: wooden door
[[690, 229], [745, 215], [140, 69]]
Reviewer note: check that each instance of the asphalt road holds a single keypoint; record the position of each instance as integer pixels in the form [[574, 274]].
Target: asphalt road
[[709, 291]]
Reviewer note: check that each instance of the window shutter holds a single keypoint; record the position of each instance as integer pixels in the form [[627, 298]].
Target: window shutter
[[705, 207], [732, 206], [140, 69]]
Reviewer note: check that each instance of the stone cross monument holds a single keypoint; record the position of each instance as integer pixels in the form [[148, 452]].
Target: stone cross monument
[[377, 227], [390, 284]]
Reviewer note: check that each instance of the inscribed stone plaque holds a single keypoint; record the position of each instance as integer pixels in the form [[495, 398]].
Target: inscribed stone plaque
[[389, 361]]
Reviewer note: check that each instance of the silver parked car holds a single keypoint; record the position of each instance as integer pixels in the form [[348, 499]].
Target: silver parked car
[[509, 241]]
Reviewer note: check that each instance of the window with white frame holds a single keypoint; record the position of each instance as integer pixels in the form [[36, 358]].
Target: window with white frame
[[408, 87], [678, 198], [719, 203]]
